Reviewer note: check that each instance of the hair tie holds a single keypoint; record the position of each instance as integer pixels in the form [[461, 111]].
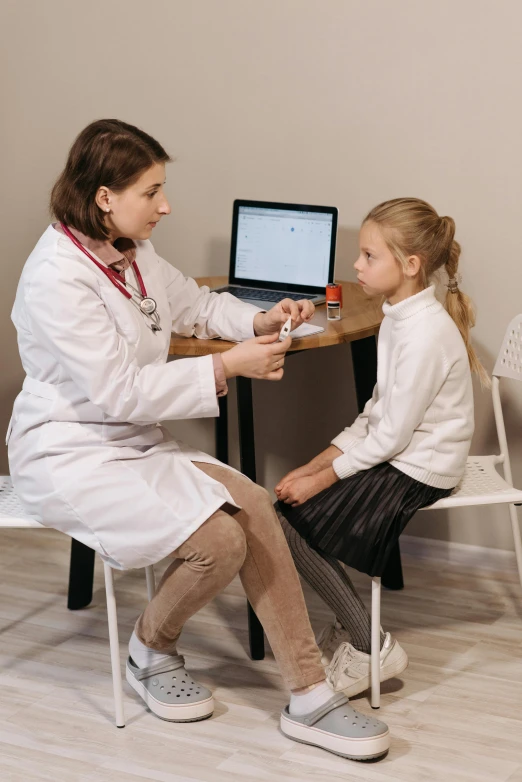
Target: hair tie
[[453, 283]]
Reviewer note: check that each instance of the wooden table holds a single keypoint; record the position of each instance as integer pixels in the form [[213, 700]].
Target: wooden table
[[360, 320]]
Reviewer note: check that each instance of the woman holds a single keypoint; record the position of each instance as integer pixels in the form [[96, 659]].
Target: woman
[[94, 311]]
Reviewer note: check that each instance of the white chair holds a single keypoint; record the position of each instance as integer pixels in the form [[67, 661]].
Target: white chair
[[12, 515], [481, 484]]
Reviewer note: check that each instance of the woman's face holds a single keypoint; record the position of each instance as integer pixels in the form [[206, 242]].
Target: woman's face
[[135, 211]]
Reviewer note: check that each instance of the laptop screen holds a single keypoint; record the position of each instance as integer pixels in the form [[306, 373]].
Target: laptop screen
[[284, 245]]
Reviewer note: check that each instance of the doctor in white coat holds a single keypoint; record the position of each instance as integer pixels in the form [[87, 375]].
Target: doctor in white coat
[[94, 312]]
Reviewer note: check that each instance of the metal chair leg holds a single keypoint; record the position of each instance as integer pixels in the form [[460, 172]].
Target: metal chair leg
[[112, 619], [375, 663], [151, 582]]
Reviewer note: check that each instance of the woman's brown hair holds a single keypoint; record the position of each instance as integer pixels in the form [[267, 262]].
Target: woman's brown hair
[[412, 227], [109, 153]]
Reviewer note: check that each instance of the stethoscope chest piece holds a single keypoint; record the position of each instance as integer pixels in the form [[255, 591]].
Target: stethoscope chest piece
[[148, 305]]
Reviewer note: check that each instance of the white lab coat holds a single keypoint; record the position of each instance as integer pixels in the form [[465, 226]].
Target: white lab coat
[[87, 454]]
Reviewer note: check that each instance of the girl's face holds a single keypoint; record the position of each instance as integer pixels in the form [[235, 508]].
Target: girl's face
[[135, 211], [378, 271]]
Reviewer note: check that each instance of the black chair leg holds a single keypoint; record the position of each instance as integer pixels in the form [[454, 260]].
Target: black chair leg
[[81, 575]]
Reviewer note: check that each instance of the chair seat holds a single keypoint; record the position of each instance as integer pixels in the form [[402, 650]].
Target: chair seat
[[11, 512], [480, 485]]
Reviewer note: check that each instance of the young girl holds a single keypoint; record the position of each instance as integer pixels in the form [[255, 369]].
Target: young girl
[[408, 447]]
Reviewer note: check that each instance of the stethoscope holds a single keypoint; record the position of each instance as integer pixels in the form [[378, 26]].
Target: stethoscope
[[145, 304]]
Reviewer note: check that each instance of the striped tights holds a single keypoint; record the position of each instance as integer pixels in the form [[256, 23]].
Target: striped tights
[[329, 579]]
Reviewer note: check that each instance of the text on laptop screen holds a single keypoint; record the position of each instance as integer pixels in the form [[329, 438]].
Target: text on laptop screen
[[283, 246]]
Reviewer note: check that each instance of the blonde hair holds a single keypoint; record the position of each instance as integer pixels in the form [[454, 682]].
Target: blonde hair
[[412, 227]]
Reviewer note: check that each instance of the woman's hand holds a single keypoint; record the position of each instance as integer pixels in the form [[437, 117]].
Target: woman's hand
[[261, 358], [273, 321], [295, 491]]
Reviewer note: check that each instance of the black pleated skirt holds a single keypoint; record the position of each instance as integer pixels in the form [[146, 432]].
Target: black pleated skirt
[[359, 519]]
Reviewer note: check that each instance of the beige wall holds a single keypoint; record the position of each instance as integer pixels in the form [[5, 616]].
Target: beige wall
[[339, 102]]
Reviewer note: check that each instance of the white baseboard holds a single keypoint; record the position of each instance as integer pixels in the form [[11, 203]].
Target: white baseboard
[[460, 554]]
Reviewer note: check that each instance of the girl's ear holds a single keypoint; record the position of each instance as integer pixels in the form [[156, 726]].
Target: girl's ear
[[413, 266]]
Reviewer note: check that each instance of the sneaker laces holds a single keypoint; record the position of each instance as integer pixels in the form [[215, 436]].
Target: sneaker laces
[[344, 655]]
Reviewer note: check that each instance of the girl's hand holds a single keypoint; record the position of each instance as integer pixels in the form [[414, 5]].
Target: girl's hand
[[299, 490], [261, 358], [273, 321], [320, 462], [300, 472]]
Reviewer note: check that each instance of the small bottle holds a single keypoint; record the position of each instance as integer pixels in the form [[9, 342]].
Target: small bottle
[[334, 301]]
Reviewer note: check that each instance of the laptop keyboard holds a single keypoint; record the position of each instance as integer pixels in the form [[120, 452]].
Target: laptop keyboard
[[261, 295]]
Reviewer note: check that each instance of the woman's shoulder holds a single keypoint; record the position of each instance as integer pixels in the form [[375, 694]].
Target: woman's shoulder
[[55, 259], [48, 243]]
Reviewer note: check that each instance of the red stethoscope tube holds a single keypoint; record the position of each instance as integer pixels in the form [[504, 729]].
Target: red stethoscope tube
[[112, 275]]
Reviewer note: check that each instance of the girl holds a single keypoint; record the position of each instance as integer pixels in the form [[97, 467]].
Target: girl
[[94, 312], [406, 450]]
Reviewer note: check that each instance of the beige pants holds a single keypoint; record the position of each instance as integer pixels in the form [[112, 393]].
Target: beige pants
[[250, 542]]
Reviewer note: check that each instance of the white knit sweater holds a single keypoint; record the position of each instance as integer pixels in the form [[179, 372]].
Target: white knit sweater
[[420, 417]]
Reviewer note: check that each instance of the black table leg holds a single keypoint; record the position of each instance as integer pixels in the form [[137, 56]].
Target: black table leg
[[364, 360], [222, 431], [247, 455], [81, 574]]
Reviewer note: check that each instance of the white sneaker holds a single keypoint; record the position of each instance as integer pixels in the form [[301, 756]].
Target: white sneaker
[[349, 670], [329, 639]]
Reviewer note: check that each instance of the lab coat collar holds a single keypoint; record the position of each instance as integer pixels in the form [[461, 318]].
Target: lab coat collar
[[121, 253]]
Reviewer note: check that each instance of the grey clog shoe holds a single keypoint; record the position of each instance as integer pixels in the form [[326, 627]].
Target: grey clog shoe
[[338, 728], [170, 692]]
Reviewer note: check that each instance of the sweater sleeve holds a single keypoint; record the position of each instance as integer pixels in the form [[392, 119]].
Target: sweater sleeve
[[353, 434], [420, 371]]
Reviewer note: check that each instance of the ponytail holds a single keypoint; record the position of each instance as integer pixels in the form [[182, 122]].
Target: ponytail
[[458, 305]]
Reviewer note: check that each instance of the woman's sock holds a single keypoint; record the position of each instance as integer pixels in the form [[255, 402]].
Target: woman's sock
[[306, 702], [142, 655]]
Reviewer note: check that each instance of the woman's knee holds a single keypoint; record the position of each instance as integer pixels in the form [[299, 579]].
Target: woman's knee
[[257, 500], [219, 543]]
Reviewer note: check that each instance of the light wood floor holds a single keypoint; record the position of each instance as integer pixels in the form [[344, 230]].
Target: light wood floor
[[455, 717]]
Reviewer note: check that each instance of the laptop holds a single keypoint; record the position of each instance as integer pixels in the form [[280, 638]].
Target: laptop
[[281, 251]]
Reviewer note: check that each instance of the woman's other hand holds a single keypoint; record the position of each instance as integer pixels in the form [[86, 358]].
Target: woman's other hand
[[261, 358], [295, 491], [273, 321]]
